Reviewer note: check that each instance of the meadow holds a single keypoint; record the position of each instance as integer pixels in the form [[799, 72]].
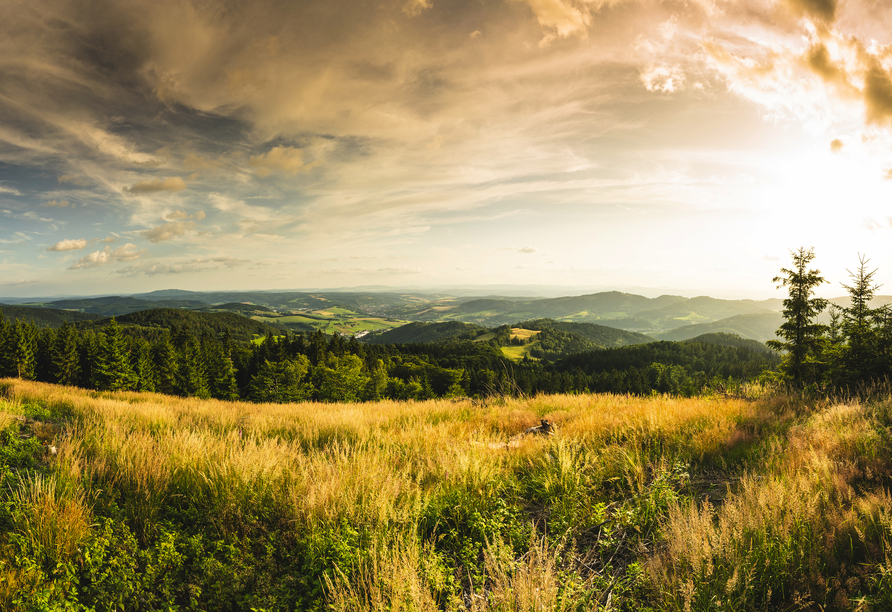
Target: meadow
[[139, 501]]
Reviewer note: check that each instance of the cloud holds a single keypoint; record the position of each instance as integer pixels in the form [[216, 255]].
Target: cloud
[[9, 190], [79, 181], [28, 215], [528, 249], [888, 174], [17, 283], [172, 184], [824, 10], [285, 159], [168, 231], [413, 8], [95, 259], [560, 19], [58, 203], [193, 265], [69, 245], [878, 93], [836, 145], [665, 79], [195, 162], [179, 215]]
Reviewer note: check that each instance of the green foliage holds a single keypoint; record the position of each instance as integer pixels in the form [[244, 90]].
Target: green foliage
[[800, 332]]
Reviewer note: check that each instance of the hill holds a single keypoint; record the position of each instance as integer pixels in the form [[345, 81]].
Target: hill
[[759, 327], [599, 334], [724, 339], [199, 323], [116, 305], [425, 332], [45, 317]]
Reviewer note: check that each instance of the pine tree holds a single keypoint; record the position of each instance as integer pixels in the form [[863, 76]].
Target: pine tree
[[7, 337], [88, 354], [24, 350], [164, 358], [143, 368], [66, 362], [220, 371], [113, 371], [859, 326], [191, 378], [801, 333]]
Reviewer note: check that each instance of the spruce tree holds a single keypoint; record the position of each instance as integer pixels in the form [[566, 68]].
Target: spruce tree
[[859, 326], [164, 358], [24, 350], [7, 337], [113, 371], [800, 332], [66, 361]]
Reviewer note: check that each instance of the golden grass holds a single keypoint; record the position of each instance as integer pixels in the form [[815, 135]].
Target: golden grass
[[382, 465]]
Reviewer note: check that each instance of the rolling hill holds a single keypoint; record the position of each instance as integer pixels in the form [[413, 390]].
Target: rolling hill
[[45, 317]]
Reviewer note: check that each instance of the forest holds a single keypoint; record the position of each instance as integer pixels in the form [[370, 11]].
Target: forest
[[209, 363]]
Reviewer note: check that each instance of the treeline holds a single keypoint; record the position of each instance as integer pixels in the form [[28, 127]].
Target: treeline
[[319, 367], [678, 368]]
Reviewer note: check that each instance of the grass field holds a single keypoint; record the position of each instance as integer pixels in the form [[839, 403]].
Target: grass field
[[517, 353], [153, 502]]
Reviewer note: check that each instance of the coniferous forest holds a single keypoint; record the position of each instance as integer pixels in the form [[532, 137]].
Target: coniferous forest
[[316, 366]]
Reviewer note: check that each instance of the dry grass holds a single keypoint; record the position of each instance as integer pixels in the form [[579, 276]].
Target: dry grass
[[813, 484]]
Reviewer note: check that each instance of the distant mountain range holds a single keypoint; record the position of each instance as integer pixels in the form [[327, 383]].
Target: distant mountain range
[[669, 317]]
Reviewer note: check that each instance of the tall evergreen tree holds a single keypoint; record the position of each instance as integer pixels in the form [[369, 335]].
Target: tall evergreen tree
[[113, 370], [164, 358], [66, 361], [24, 350], [142, 365], [220, 370], [859, 326], [89, 357], [191, 379], [800, 332], [7, 337]]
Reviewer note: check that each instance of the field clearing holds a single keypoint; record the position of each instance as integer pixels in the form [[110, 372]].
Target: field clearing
[[523, 334], [652, 503], [517, 353], [329, 322]]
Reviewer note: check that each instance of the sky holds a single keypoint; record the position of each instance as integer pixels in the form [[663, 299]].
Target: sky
[[680, 146]]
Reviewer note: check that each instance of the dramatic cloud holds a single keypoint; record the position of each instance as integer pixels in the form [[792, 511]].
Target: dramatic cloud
[[825, 10], [69, 245], [146, 187], [426, 133]]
